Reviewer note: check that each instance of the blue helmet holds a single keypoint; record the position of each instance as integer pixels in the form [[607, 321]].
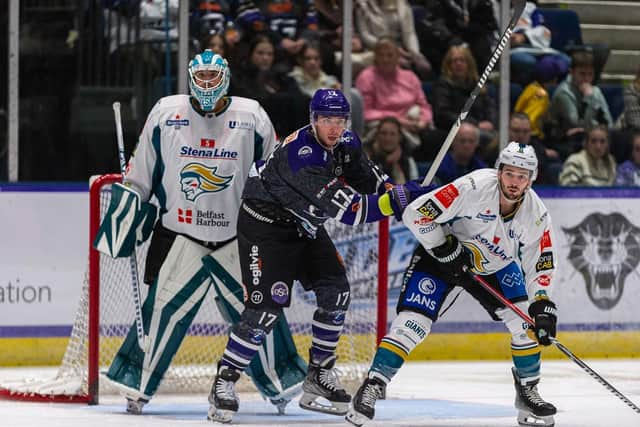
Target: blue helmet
[[328, 102], [209, 61]]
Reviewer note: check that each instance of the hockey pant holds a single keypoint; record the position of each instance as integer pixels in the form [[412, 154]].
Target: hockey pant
[[173, 301]]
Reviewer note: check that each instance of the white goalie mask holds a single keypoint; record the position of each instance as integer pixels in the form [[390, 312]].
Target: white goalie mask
[[521, 156], [208, 91]]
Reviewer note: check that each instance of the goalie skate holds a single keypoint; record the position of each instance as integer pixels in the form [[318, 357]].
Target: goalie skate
[[322, 391], [135, 406], [223, 399], [364, 402], [533, 411]]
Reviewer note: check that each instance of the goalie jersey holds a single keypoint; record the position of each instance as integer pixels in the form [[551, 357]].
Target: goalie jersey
[[469, 208], [316, 184], [196, 165]]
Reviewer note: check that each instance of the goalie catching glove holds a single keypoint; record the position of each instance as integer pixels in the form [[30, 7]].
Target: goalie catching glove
[[543, 313], [128, 222]]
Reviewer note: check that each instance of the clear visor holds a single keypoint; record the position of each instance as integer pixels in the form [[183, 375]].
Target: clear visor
[[330, 118]]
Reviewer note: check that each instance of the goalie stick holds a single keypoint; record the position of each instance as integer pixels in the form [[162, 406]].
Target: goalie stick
[[518, 7], [133, 262], [555, 342]]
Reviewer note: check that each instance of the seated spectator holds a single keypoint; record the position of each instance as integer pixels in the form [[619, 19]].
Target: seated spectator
[[394, 19], [388, 90], [461, 157], [593, 166], [387, 150], [452, 89], [217, 43], [210, 17], [628, 173], [530, 42], [308, 73], [577, 105], [257, 77], [631, 115], [549, 163], [534, 101]]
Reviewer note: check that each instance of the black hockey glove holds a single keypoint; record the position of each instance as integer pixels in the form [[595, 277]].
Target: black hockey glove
[[456, 259], [403, 194], [543, 313]]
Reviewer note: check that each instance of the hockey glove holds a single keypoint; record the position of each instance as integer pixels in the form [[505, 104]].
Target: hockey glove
[[403, 194], [457, 260], [543, 313]]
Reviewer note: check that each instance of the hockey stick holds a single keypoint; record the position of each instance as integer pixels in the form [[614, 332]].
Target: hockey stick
[[133, 262], [518, 7], [555, 342]]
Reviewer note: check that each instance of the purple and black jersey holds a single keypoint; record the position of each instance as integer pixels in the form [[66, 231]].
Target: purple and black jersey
[[315, 184]]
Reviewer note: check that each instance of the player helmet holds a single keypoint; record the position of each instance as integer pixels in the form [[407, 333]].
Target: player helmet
[[519, 155], [206, 92], [328, 102]]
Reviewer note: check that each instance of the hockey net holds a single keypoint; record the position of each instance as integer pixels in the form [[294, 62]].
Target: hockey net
[[106, 312]]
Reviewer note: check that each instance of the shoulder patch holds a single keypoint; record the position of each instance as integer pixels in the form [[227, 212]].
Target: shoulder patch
[[447, 195], [430, 210]]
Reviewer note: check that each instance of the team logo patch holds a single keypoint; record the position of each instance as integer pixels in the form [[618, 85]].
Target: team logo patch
[[304, 151], [430, 210], [256, 297], [543, 280], [545, 262], [426, 286], [197, 179], [279, 292], [447, 195]]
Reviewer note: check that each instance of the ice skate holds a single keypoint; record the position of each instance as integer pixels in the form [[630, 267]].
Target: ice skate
[[321, 385], [364, 402], [533, 411], [135, 406], [223, 399]]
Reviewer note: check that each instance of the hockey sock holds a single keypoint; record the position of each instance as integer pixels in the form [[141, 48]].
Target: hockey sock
[[526, 359], [326, 329], [247, 336], [407, 331]]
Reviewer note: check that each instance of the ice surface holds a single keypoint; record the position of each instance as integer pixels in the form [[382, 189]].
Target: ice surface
[[435, 394]]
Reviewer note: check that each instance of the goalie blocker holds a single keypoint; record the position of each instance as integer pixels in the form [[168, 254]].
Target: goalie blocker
[[180, 272]]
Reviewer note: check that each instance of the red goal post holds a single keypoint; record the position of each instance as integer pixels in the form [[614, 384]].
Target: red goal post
[[105, 313]]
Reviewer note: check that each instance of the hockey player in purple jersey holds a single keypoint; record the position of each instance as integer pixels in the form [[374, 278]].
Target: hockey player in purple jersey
[[318, 172]]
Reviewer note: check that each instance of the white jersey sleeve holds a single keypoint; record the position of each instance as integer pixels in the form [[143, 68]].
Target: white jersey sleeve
[[196, 165]]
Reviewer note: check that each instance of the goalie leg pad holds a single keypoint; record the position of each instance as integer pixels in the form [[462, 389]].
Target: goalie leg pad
[[168, 311], [525, 351], [407, 330], [128, 221]]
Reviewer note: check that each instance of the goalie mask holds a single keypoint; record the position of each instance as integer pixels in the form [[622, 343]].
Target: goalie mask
[[209, 77], [331, 103], [521, 156]]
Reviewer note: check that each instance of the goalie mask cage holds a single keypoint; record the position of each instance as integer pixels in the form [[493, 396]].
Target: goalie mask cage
[[106, 312]]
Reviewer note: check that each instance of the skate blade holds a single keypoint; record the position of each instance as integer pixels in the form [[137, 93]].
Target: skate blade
[[356, 418], [134, 407], [316, 403], [527, 419], [223, 416]]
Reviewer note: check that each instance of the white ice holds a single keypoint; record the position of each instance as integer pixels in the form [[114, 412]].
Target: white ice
[[435, 394]]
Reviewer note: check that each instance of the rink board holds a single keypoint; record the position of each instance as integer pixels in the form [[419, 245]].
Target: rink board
[[42, 267], [438, 346]]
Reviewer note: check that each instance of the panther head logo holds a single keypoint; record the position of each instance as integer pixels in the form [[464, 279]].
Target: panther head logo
[[604, 249]]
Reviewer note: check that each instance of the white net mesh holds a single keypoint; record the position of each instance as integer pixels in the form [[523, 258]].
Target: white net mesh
[[193, 367]]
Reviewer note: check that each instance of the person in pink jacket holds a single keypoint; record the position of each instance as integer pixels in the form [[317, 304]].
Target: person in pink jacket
[[388, 90]]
